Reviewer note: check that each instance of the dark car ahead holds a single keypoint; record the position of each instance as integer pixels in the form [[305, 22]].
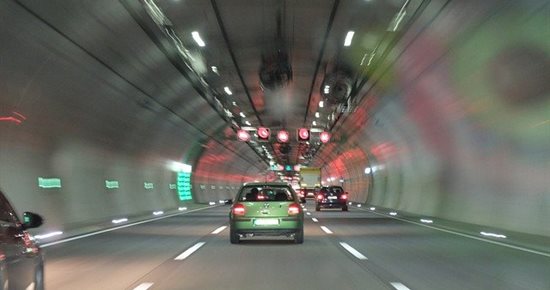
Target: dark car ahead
[[266, 209], [331, 197], [21, 262]]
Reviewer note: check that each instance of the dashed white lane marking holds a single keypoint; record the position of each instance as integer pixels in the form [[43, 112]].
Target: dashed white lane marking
[[189, 251], [219, 230], [353, 251], [144, 286], [308, 213], [399, 286], [326, 230], [30, 287], [315, 220]]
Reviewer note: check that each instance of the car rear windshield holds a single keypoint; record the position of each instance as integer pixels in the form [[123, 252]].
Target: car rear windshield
[[333, 189], [266, 193]]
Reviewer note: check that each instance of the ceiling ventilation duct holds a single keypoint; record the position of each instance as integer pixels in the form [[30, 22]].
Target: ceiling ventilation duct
[[275, 71]]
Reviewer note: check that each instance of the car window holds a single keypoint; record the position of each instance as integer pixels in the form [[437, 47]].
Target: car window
[[265, 193], [336, 189], [7, 214]]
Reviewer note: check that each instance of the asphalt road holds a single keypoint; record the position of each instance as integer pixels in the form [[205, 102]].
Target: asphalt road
[[354, 250]]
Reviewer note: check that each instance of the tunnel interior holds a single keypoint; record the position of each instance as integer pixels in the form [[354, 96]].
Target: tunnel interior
[[436, 108]]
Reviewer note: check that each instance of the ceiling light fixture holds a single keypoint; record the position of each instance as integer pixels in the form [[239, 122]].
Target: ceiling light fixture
[[349, 38], [227, 91], [198, 39]]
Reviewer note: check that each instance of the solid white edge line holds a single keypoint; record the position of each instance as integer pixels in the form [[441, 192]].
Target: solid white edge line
[[465, 235], [399, 286], [326, 230], [219, 230], [353, 251], [144, 286], [119, 227], [315, 220], [189, 251]]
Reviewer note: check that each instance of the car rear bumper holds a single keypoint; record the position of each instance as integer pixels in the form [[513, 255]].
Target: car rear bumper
[[287, 225], [332, 204]]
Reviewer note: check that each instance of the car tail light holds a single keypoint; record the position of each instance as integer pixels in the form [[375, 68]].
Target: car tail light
[[320, 197], [344, 196], [238, 209], [293, 209]]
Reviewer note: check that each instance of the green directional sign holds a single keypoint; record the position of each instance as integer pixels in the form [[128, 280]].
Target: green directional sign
[[49, 182]]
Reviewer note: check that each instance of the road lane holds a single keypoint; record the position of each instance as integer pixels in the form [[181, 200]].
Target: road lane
[[260, 263], [114, 260], [400, 256], [424, 258]]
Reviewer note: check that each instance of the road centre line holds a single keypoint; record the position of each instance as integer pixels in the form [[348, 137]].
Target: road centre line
[[219, 230], [326, 230], [315, 220], [119, 227], [144, 286], [189, 251], [353, 251], [399, 286]]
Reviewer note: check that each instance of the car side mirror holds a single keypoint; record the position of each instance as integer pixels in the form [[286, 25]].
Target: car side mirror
[[31, 220]]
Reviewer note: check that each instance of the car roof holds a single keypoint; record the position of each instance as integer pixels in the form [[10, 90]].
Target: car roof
[[266, 184]]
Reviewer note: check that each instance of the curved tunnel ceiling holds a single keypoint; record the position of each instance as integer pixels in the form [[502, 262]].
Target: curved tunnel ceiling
[[435, 107]]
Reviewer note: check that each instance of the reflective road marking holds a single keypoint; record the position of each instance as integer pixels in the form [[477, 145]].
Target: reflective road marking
[[326, 230], [399, 286], [219, 230], [144, 286], [353, 251], [189, 251]]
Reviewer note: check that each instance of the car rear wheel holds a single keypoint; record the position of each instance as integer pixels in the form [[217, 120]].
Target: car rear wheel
[[345, 208], [233, 236], [317, 208], [299, 236]]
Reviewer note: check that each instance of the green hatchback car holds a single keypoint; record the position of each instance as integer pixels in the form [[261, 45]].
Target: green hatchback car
[[266, 209]]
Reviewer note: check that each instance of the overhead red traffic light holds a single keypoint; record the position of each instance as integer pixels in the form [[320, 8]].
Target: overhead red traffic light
[[324, 136], [263, 134], [303, 134], [283, 136], [243, 135]]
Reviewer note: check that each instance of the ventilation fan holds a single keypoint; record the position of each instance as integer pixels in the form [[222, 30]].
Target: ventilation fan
[[336, 87]]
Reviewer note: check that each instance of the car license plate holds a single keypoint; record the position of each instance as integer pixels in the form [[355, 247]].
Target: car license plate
[[266, 222], [332, 197]]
